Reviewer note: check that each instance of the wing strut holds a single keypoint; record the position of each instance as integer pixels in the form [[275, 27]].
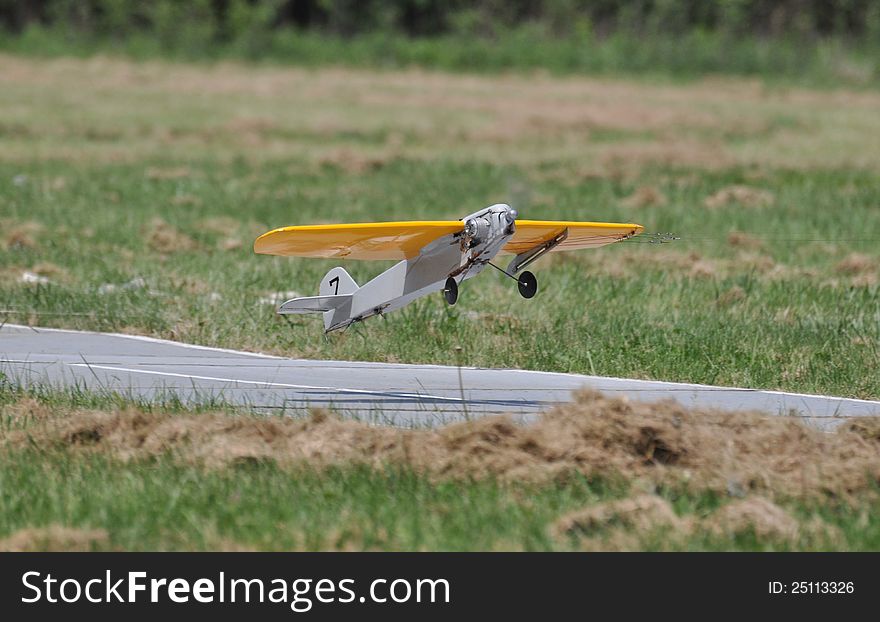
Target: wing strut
[[523, 259]]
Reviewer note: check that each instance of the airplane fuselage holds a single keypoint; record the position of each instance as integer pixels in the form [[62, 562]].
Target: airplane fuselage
[[460, 256]]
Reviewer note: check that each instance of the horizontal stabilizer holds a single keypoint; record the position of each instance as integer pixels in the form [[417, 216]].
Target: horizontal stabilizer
[[313, 304]]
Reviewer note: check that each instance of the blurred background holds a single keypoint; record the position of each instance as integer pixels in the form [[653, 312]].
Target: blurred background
[[815, 40]]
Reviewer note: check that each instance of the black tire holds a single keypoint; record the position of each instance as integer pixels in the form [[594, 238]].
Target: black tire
[[450, 291], [528, 284]]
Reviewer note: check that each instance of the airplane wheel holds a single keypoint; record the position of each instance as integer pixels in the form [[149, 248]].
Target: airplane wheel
[[450, 292], [528, 284]]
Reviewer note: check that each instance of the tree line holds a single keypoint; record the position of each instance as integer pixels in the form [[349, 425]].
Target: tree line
[[228, 20]]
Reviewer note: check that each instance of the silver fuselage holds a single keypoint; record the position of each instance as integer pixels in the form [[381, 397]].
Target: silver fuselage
[[460, 255]]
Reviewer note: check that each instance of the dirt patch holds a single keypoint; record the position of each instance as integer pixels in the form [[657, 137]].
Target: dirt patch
[[54, 538], [760, 263], [641, 513], [704, 269], [187, 283], [503, 119], [755, 515], [167, 239], [51, 271], [354, 162], [624, 159], [731, 296], [659, 443], [856, 264], [865, 280], [691, 263], [740, 239], [745, 196], [678, 262], [11, 274], [220, 225], [647, 520], [21, 235], [226, 229], [229, 244], [623, 525], [645, 196], [251, 125], [862, 270], [165, 173], [185, 200]]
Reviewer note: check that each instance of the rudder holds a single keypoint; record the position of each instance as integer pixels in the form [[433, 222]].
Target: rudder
[[337, 282]]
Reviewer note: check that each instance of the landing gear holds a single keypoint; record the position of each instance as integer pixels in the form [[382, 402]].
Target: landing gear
[[450, 291], [528, 284]]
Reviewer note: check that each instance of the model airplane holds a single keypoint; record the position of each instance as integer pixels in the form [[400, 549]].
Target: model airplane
[[434, 256]]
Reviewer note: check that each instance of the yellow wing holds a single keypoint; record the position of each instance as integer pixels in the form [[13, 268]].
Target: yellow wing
[[531, 233], [404, 240], [374, 240]]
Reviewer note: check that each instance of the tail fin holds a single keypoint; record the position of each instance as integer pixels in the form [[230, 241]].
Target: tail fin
[[336, 291], [312, 304], [337, 282]]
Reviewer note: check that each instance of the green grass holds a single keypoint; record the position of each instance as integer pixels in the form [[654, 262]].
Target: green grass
[[779, 290], [796, 320], [168, 502], [831, 61], [160, 505]]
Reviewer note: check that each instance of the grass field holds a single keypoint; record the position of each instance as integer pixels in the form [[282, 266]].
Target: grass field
[[85, 473], [136, 190], [836, 60], [130, 194]]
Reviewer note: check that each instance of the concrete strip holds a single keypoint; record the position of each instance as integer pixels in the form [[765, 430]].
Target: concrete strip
[[399, 394]]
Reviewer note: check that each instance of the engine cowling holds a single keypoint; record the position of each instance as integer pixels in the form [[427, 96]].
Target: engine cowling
[[493, 222], [477, 230]]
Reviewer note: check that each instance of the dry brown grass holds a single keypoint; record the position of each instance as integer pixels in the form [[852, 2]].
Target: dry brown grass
[[11, 275], [856, 264], [646, 520], [628, 159], [185, 200], [230, 244], [741, 195], [51, 271], [27, 410], [740, 239], [265, 112], [763, 518], [54, 538], [862, 270], [645, 196], [642, 513], [220, 225], [157, 173], [226, 229], [867, 428], [661, 443], [354, 162], [731, 296], [680, 262], [166, 239], [20, 235]]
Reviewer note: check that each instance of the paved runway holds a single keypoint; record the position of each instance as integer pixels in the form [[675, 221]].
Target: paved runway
[[153, 369]]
